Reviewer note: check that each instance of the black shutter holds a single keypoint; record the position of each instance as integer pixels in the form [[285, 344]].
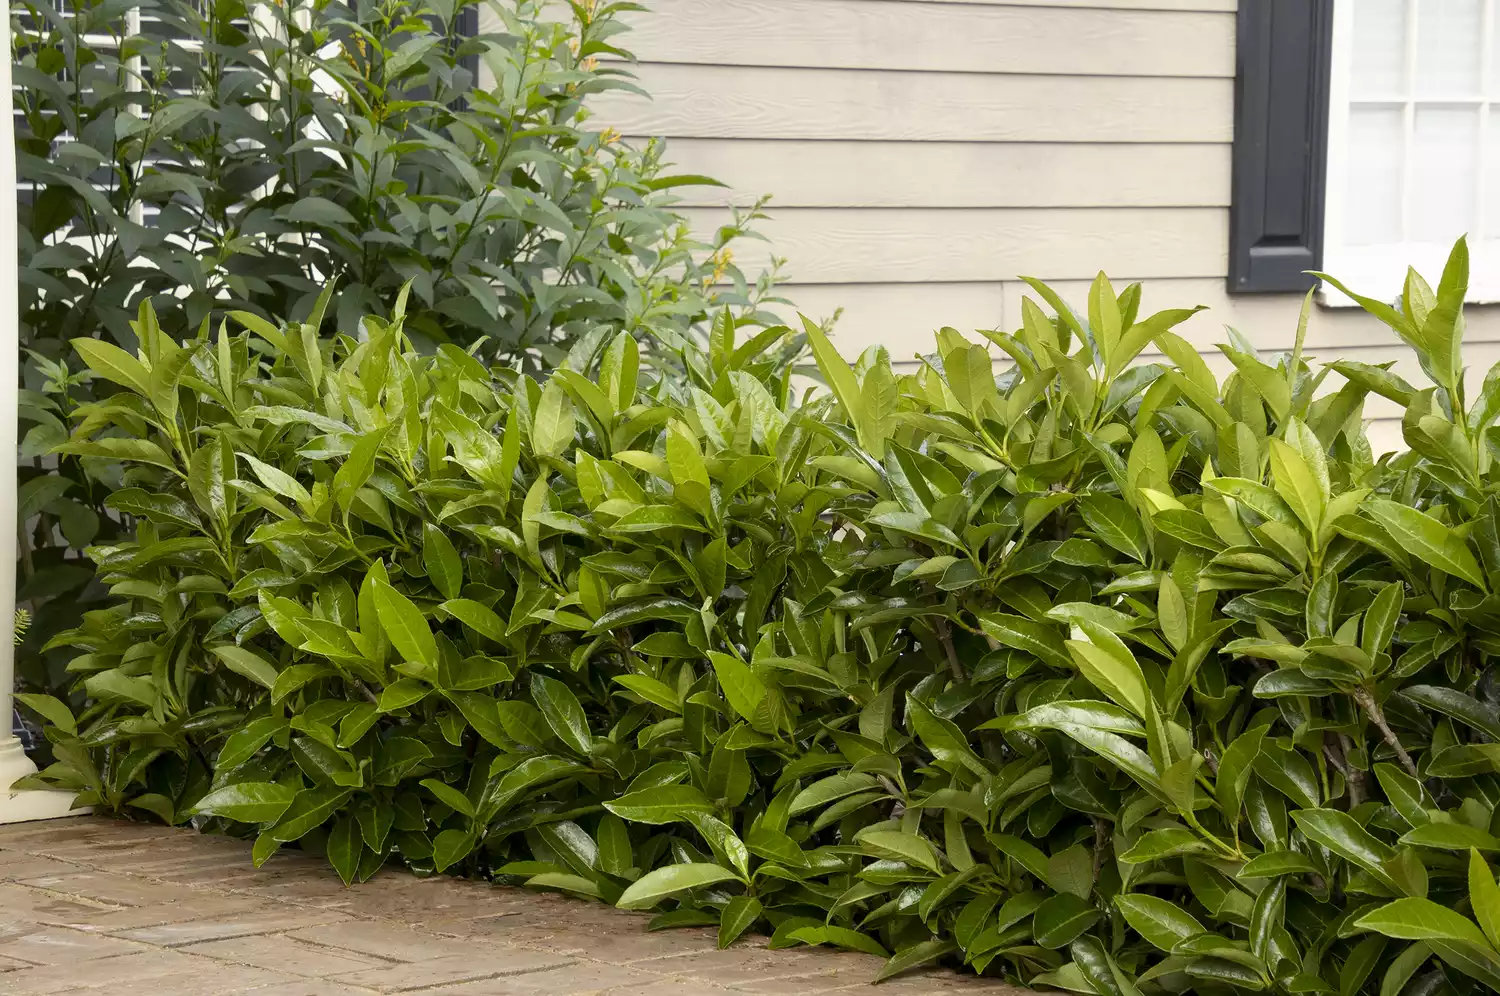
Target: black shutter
[[1280, 144], [467, 25]]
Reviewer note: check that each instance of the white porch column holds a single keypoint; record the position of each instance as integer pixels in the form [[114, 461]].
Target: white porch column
[[15, 806]]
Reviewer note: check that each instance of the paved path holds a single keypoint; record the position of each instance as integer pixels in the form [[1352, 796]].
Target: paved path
[[133, 910]]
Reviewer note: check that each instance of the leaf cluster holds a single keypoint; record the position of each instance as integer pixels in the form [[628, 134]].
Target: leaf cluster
[[1107, 675], [221, 156]]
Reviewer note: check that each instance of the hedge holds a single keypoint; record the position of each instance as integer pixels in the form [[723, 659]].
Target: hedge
[[212, 155], [1099, 674]]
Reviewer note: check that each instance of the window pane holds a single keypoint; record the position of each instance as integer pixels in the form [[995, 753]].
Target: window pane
[[1379, 47], [1445, 173], [1374, 187], [1492, 179], [1450, 34], [1495, 55]]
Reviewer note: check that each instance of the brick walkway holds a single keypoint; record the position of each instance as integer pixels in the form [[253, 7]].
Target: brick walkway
[[130, 909]]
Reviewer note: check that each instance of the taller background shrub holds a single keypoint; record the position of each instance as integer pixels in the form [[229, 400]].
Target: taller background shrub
[[1107, 676], [208, 157]]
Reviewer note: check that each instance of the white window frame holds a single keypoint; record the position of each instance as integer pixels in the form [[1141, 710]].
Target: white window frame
[[1380, 270]]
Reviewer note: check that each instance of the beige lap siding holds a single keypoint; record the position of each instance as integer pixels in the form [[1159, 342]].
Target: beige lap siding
[[959, 175], [923, 153], [943, 37], [895, 105]]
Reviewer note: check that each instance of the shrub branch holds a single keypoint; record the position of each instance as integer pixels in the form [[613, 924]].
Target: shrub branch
[[1372, 709]]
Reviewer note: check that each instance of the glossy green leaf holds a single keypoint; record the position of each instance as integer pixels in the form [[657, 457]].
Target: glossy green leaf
[[248, 802], [441, 561], [1423, 920], [562, 711], [1451, 837], [476, 616], [738, 916], [50, 708], [1116, 524], [843, 937], [403, 623], [914, 956], [744, 690], [1162, 923], [831, 789], [1062, 918], [655, 886], [662, 804], [355, 471], [900, 846], [1340, 833], [1428, 540], [344, 848], [248, 663], [1235, 768]]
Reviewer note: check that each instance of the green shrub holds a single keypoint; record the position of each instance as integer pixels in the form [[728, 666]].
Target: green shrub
[[210, 160], [1101, 675], [203, 166]]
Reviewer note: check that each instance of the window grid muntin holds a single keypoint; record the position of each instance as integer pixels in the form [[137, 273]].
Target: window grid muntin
[[1363, 240], [1485, 102]]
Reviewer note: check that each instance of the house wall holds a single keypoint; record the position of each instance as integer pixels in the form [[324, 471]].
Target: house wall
[[922, 153]]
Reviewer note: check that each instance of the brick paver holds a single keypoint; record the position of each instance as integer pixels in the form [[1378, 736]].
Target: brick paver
[[91, 904]]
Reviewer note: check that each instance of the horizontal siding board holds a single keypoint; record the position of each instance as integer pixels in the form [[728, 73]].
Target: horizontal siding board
[[745, 102], [862, 245], [806, 173], [1175, 5], [1384, 435], [900, 317], [856, 34]]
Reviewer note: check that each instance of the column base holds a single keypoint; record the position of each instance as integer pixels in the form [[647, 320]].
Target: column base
[[22, 805]]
